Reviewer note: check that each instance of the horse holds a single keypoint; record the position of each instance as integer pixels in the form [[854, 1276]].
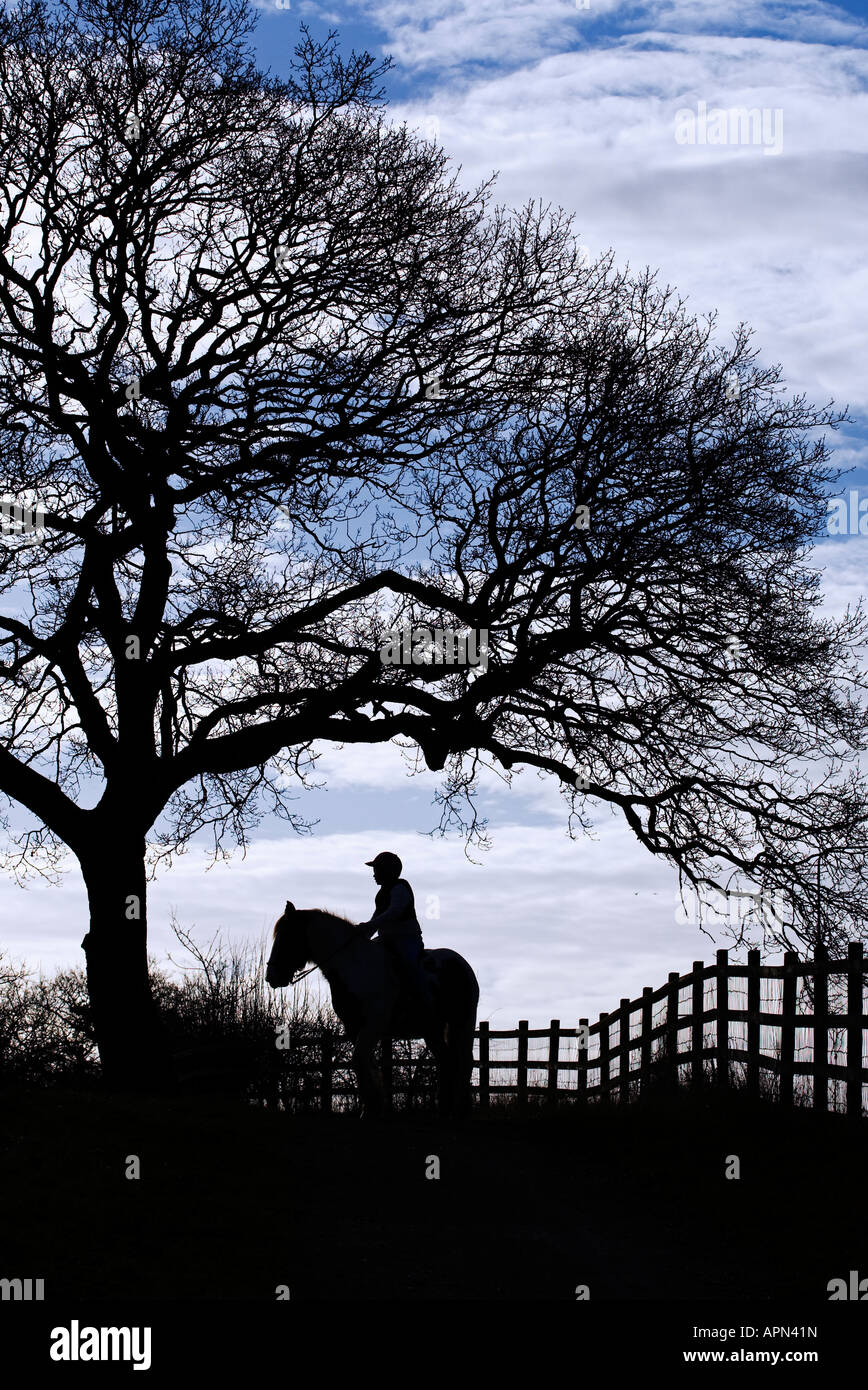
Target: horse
[[368, 998]]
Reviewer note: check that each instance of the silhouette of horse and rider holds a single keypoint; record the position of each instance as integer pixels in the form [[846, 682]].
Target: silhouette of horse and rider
[[389, 986]]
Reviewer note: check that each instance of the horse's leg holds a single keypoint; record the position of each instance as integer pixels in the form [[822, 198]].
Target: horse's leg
[[442, 1050], [368, 1076], [458, 1070], [464, 1077]]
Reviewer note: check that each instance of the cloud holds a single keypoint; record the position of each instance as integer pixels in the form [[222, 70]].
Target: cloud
[[553, 928], [845, 566], [591, 126], [460, 37]]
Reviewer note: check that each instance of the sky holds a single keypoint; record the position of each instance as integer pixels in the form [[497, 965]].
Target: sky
[[589, 107]]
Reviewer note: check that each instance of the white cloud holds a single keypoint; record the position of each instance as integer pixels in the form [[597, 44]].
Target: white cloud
[[553, 928], [778, 241], [448, 33], [845, 566], [458, 36]]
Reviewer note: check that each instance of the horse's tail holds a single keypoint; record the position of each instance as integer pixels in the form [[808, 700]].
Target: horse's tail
[[460, 1031]]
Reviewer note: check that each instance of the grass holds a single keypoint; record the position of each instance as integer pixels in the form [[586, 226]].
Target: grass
[[234, 1200]]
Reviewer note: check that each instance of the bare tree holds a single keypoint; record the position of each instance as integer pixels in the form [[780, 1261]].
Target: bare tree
[[280, 386]]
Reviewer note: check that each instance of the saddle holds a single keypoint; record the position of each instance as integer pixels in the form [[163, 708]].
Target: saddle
[[403, 1018]]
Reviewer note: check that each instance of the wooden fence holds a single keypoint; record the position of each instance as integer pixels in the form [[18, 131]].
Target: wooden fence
[[705, 1038], [691, 1029]]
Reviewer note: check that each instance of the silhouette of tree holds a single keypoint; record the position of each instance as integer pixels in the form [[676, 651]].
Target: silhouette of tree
[[279, 385]]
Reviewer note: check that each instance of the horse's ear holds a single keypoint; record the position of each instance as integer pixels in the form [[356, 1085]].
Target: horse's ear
[[290, 907]]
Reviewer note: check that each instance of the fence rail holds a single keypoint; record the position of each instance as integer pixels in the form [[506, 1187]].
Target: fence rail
[[665, 1038]]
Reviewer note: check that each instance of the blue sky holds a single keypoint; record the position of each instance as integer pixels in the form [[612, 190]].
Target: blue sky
[[577, 107]]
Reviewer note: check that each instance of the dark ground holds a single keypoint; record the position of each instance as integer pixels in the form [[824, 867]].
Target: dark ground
[[234, 1201]]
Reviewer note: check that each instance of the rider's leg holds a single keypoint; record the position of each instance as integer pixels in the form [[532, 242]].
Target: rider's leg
[[406, 948]]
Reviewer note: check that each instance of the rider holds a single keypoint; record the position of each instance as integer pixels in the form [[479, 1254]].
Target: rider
[[398, 927]]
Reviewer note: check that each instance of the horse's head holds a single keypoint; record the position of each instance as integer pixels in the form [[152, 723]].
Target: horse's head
[[290, 950]]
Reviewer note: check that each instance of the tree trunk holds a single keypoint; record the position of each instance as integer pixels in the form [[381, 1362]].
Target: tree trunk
[[133, 1046]]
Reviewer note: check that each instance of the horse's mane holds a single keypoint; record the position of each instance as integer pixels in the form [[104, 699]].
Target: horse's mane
[[335, 916], [315, 911]]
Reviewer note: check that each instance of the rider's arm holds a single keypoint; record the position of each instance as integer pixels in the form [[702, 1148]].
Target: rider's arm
[[399, 901]]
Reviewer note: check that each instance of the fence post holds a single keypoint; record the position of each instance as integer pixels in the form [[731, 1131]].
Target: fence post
[[484, 1073], [647, 1022], [271, 1079], [386, 1070], [521, 1089], [854, 1030], [672, 1002], [624, 1046], [582, 1059], [604, 1056], [325, 1084], [722, 958], [554, 1057], [821, 1028], [788, 1028], [697, 1031], [754, 999]]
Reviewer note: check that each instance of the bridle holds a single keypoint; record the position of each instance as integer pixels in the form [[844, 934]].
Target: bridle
[[319, 966]]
